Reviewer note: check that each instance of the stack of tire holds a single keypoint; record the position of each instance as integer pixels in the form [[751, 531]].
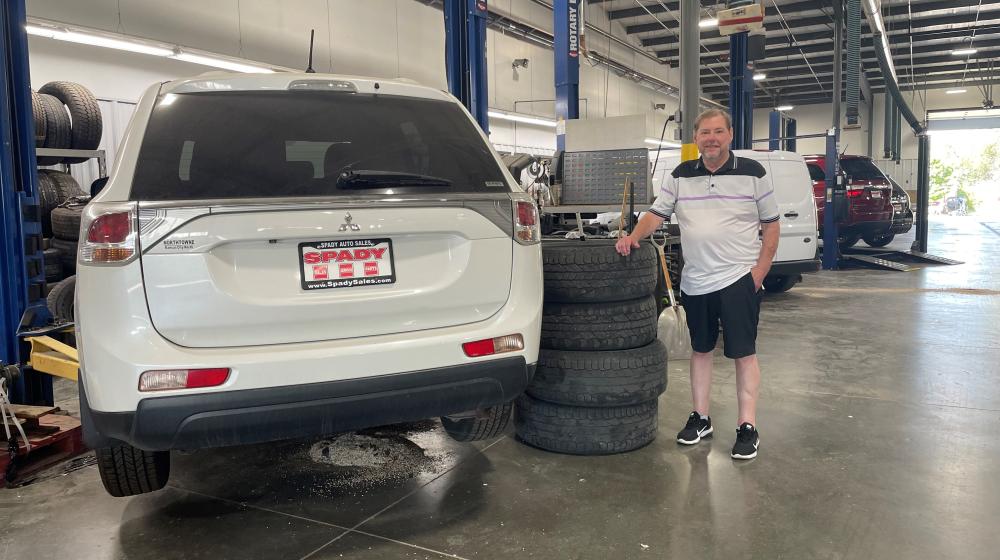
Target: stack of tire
[[66, 116], [601, 368]]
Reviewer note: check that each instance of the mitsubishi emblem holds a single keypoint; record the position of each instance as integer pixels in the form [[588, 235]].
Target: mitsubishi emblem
[[348, 223]]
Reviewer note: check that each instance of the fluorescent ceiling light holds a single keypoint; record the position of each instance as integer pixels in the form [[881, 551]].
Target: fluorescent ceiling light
[[759, 76], [520, 118], [125, 43], [97, 41], [953, 91], [710, 22], [784, 107], [962, 52], [655, 142], [220, 63]]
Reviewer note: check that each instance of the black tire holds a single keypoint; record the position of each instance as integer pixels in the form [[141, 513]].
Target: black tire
[[38, 112], [58, 128], [593, 271], [66, 185], [599, 379], [68, 253], [599, 326], [487, 424], [60, 300], [879, 239], [66, 221], [85, 114], [48, 199], [129, 471], [849, 241], [778, 284], [53, 266], [583, 430]]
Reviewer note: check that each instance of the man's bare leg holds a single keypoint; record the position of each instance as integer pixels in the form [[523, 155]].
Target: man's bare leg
[[701, 380], [747, 386]]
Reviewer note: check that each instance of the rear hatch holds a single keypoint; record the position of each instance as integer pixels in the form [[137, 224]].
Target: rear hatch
[[793, 191], [293, 216], [869, 193]]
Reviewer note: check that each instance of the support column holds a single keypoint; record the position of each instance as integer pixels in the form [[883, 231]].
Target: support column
[[465, 56], [923, 190], [22, 270], [791, 130], [774, 130], [740, 92], [566, 22], [835, 194], [690, 61]]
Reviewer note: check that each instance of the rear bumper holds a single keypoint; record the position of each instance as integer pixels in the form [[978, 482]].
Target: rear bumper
[[865, 228], [789, 268], [902, 222], [259, 415]]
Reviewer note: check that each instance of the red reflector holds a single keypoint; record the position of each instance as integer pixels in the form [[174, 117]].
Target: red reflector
[[526, 215], [479, 348], [855, 193], [206, 377], [110, 228]]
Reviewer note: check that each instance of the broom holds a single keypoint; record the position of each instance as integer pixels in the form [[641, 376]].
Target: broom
[[672, 328]]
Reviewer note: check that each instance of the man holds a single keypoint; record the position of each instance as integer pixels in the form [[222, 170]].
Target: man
[[721, 205]]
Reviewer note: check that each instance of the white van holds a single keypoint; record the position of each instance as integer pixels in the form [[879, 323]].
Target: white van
[[789, 176]]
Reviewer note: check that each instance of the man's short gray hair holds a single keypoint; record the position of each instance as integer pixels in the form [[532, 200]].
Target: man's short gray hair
[[711, 113]]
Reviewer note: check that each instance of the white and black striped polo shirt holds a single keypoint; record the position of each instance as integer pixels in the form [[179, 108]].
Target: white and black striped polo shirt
[[719, 216]]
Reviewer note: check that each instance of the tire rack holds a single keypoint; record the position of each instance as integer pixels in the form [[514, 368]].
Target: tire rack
[[48, 355]]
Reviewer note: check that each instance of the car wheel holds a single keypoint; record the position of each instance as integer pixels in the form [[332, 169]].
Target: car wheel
[[879, 239], [601, 379], [485, 424], [128, 471], [846, 242], [599, 326], [777, 284], [585, 430]]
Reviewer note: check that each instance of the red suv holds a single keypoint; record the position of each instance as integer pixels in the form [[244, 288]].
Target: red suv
[[869, 197]]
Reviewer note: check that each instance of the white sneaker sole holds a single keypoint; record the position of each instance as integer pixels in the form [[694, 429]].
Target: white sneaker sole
[[707, 433]]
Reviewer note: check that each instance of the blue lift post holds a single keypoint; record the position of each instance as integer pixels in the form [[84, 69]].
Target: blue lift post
[[566, 23], [465, 56], [774, 132], [741, 91], [22, 304]]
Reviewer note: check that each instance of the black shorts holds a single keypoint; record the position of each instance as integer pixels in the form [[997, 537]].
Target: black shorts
[[737, 306]]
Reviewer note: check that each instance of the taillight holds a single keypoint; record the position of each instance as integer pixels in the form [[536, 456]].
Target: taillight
[[855, 193], [108, 234], [527, 229], [167, 379], [491, 346]]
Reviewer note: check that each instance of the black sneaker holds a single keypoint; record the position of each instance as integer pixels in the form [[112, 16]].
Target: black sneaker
[[695, 429], [747, 440]]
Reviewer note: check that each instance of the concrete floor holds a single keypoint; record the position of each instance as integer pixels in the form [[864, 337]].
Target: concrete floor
[[879, 419]]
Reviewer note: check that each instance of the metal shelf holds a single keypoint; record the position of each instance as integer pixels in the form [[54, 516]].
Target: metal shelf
[[99, 155]]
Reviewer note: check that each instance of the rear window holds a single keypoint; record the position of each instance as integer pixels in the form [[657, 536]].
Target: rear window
[[816, 173], [294, 144], [861, 169]]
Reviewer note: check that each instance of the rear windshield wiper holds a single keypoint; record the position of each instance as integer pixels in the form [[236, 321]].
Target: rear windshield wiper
[[371, 178]]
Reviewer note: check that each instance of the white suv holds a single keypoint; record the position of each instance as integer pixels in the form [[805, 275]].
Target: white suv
[[291, 255]]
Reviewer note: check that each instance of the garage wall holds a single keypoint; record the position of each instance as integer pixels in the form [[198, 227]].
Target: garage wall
[[812, 119], [383, 38]]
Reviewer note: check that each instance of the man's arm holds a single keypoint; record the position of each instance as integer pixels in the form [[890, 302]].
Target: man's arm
[[769, 246], [647, 225]]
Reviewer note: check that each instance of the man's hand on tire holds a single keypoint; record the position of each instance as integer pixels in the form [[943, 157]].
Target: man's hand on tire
[[625, 245]]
